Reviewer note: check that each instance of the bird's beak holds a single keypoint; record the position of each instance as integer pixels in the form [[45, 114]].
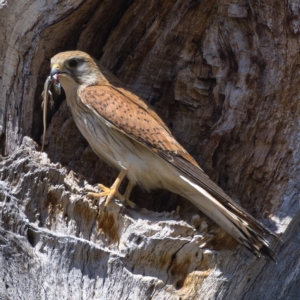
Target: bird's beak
[[54, 76], [55, 71]]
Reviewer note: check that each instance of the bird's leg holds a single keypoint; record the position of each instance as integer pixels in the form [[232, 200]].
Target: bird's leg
[[128, 191], [125, 197], [112, 191], [115, 187]]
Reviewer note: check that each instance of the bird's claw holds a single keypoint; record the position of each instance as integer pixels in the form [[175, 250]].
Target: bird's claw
[[110, 193]]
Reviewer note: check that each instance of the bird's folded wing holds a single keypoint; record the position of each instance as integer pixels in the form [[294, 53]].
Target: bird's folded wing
[[131, 115]]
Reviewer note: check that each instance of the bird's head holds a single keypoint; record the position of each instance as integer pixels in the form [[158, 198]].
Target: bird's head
[[73, 69]]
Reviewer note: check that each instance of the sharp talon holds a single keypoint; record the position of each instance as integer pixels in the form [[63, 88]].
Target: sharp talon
[[112, 192], [103, 188], [90, 195], [94, 195]]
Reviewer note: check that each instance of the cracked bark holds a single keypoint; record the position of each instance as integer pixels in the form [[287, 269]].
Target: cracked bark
[[224, 76]]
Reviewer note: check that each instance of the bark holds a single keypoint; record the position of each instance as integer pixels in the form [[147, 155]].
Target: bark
[[224, 77]]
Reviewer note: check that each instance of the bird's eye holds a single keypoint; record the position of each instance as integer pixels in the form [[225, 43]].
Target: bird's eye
[[72, 63]]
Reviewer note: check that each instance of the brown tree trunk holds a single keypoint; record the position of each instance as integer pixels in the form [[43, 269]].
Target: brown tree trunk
[[224, 75]]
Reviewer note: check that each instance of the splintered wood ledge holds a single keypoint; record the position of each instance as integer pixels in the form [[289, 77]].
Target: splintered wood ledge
[[48, 223]]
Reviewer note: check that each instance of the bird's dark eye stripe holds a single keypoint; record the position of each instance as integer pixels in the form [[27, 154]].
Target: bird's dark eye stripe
[[73, 63]]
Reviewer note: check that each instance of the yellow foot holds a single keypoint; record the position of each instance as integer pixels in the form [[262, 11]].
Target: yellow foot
[[110, 193], [105, 192], [113, 191]]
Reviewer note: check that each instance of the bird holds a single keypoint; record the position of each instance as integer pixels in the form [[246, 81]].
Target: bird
[[126, 132]]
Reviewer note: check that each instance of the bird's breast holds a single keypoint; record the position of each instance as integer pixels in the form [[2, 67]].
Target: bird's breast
[[115, 147]]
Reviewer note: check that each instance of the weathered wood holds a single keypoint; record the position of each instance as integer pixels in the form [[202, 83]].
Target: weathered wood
[[224, 77]]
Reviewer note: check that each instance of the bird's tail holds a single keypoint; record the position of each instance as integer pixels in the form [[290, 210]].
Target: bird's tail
[[232, 218]]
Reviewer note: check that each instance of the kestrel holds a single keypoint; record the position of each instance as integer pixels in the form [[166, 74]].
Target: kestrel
[[125, 131]]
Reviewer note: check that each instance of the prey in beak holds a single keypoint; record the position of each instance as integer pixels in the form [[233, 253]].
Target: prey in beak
[[55, 80]]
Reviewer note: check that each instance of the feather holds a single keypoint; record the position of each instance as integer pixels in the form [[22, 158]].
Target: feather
[[124, 130]]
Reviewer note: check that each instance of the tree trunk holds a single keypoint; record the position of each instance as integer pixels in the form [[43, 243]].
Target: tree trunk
[[224, 76]]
